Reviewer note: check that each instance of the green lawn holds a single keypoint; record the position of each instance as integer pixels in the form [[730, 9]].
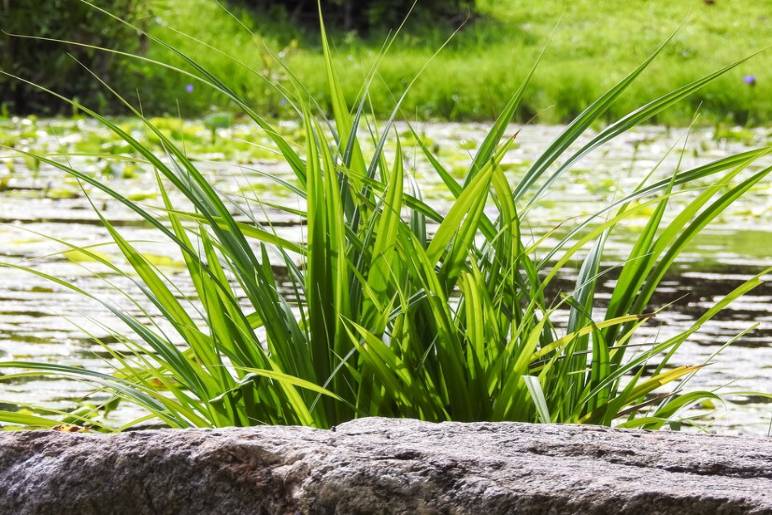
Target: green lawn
[[590, 45]]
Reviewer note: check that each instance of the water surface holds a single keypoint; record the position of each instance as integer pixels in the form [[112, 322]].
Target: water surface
[[42, 321]]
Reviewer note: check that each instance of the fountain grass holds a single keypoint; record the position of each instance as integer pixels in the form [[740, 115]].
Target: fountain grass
[[389, 307]]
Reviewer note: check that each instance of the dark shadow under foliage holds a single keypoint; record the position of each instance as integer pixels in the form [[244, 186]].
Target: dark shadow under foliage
[[48, 64], [364, 15]]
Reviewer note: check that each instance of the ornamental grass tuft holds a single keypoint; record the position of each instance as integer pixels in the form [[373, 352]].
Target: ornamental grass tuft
[[388, 306]]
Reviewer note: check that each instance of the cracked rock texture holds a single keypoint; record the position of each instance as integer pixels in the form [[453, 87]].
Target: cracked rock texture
[[380, 465]]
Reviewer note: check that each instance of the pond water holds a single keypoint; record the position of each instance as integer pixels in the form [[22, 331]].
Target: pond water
[[41, 321]]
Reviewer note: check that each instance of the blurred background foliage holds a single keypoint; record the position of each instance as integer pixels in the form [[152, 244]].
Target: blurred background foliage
[[590, 45], [364, 15], [47, 63]]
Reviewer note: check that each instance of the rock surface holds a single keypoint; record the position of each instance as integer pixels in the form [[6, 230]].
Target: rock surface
[[385, 466]]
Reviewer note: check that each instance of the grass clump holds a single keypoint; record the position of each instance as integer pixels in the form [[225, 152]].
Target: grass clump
[[390, 307]]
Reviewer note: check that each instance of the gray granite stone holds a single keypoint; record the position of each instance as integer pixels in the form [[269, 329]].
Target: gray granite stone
[[380, 465]]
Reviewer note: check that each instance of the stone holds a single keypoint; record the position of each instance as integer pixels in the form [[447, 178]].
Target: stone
[[378, 465]]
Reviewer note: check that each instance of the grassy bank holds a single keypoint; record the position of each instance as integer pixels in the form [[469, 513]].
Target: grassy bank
[[593, 46]]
